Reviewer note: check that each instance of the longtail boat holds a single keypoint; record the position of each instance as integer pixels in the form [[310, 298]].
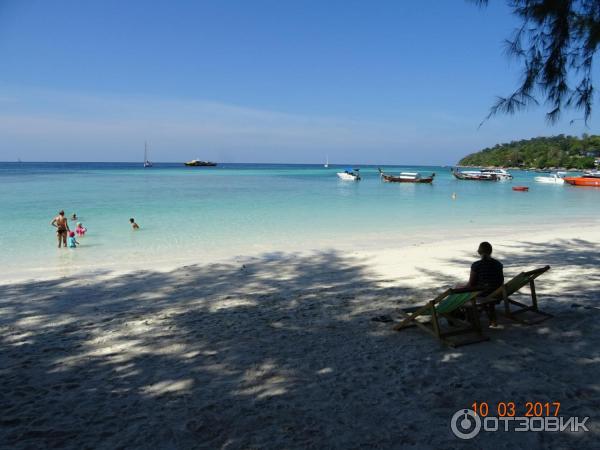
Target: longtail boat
[[406, 177]]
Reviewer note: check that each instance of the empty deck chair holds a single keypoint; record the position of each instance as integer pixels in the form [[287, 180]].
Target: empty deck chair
[[504, 293]]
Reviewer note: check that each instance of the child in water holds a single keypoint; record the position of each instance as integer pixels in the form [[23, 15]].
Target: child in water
[[134, 225], [80, 230], [71, 241]]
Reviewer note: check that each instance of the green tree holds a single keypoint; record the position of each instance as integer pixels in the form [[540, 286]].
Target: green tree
[[556, 151], [541, 162]]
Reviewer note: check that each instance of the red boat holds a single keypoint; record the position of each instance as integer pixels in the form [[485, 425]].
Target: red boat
[[520, 188], [585, 180]]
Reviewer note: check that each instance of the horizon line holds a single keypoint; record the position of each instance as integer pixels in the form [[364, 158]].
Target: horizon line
[[265, 163]]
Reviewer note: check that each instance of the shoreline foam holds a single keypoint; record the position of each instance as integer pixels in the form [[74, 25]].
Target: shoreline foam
[[368, 245]]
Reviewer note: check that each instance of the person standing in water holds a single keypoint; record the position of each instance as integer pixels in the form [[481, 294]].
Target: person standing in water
[[72, 241], [134, 225], [62, 228]]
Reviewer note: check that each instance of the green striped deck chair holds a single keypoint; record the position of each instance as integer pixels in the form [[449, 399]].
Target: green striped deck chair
[[448, 302], [504, 292]]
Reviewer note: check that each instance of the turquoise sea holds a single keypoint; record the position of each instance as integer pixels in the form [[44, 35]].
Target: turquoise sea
[[201, 214]]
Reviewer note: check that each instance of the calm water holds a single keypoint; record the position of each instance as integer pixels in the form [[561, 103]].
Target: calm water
[[241, 208]]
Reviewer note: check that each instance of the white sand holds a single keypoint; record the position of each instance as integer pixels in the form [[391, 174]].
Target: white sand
[[278, 351]]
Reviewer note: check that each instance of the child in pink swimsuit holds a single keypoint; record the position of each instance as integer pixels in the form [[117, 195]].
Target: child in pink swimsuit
[[80, 230]]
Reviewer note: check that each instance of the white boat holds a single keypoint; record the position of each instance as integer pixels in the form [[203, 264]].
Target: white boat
[[474, 175], [554, 178], [326, 165], [501, 174], [147, 162], [349, 175]]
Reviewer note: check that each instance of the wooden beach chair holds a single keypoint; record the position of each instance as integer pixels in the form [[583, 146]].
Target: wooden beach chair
[[444, 305], [504, 293]]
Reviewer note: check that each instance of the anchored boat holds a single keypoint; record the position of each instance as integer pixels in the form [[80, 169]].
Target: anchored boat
[[474, 175], [406, 177], [198, 163], [483, 175], [147, 162], [349, 175], [501, 174], [555, 178], [587, 179]]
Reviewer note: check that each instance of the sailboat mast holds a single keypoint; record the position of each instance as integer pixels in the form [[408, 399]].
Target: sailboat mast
[[147, 162]]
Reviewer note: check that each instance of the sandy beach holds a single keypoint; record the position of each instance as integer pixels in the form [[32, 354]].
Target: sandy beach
[[278, 350]]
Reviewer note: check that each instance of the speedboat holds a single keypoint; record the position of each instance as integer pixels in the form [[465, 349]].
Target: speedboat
[[554, 178], [501, 174], [406, 177], [475, 175], [349, 175], [198, 163], [587, 179]]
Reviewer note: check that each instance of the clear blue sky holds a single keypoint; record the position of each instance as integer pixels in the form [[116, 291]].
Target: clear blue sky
[[257, 81]]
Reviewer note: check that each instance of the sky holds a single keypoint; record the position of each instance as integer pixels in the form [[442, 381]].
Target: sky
[[266, 81]]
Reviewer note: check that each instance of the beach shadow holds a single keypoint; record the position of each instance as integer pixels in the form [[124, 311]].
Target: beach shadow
[[277, 351]]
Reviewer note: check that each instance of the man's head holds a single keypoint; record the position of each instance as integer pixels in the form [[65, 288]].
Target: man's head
[[485, 249], [132, 220], [61, 213]]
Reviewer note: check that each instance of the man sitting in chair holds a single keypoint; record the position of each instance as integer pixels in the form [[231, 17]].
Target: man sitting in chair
[[486, 274]]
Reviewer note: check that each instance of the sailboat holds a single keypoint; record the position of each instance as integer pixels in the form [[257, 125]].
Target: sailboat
[[326, 165], [147, 162]]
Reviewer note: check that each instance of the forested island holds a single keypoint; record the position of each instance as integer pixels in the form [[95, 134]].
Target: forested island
[[541, 153]]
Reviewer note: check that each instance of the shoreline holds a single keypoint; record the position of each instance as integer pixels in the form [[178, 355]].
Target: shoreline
[[206, 219], [374, 247]]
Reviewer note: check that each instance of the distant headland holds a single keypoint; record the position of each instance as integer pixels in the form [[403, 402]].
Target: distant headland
[[569, 152]]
